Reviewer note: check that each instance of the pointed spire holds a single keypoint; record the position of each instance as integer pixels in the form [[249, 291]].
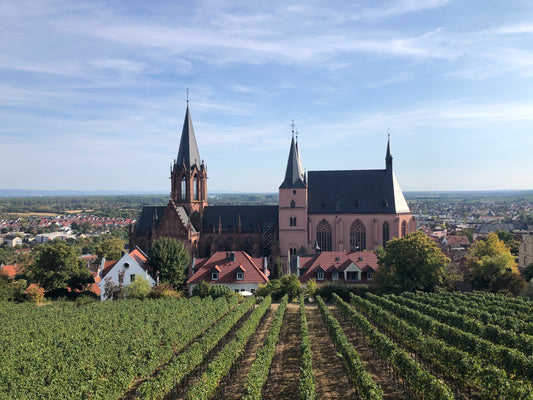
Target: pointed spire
[[294, 174], [388, 157], [188, 153]]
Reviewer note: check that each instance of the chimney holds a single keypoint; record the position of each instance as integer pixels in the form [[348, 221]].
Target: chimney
[[231, 256]]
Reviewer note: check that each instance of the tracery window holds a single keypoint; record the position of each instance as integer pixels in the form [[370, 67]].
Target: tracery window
[[404, 229], [293, 204], [357, 236], [183, 188], [323, 235], [385, 233], [196, 188]]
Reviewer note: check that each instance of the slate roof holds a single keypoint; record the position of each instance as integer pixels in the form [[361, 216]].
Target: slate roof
[[328, 261], [251, 217], [228, 269], [149, 216], [355, 192], [294, 174], [188, 153]]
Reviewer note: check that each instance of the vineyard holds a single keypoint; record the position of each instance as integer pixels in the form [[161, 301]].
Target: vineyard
[[411, 346]]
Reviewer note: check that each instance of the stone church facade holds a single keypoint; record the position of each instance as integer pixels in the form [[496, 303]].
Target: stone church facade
[[349, 210]]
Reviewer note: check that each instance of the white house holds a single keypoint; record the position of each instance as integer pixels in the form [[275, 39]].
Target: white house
[[125, 271], [234, 269]]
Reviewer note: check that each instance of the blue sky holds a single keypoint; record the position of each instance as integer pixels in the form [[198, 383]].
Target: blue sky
[[93, 94]]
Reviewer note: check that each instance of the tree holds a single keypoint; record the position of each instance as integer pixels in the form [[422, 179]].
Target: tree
[[58, 266], [510, 282], [111, 248], [170, 257], [491, 259], [411, 263], [510, 241], [277, 269], [528, 272]]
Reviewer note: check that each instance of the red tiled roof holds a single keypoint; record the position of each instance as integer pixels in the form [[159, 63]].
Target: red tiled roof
[[139, 256], [10, 270], [329, 261], [107, 267], [227, 269]]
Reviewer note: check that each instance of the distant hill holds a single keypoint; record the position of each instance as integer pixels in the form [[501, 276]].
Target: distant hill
[[66, 193]]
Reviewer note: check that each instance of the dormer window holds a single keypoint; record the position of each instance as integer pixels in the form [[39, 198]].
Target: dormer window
[[214, 276], [335, 275], [240, 275], [369, 275], [320, 275]]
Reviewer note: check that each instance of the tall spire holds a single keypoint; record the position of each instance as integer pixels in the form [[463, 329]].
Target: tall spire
[[188, 153], [294, 174], [388, 157]]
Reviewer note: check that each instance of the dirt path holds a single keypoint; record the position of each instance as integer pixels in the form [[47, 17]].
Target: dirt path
[[234, 384], [331, 380], [373, 365], [284, 375]]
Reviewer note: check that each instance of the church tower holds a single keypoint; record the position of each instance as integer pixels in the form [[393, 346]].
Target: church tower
[[188, 175], [292, 207]]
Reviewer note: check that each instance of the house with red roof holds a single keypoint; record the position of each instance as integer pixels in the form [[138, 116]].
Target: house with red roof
[[338, 266], [124, 271], [235, 269]]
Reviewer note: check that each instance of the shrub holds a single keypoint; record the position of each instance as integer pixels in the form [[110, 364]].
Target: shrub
[[34, 294], [217, 291], [139, 289], [201, 290], [165, 291]]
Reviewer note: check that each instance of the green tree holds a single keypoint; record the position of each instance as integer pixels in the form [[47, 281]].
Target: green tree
[[411, 263], [110, 247], [528, 272], [170, 257], [491, 259], [510, 282], [58, 266], [7, 288], [510, 241], [277, 269]]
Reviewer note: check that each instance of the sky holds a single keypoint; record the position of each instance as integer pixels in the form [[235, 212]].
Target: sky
[[93, 93]]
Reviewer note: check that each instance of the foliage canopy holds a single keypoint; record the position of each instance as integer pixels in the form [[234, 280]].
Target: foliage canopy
[[171, 258], [411, 263]]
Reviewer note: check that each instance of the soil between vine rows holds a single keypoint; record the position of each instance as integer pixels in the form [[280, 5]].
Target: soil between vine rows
[[234, 384], [284, 374], [331, 380]]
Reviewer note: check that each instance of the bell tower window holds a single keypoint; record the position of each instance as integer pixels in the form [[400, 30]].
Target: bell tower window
[[183, 188], [196, 188]]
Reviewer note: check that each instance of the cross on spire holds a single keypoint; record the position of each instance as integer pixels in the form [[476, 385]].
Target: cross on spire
[[187, 96]]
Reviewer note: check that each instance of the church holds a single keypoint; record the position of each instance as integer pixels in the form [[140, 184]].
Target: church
[[339, 210]]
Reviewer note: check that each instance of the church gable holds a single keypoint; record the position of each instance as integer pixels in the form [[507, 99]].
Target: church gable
[[174, 222]]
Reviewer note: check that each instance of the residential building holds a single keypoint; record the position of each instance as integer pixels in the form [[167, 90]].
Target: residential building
[[124, 271], [235, 269]]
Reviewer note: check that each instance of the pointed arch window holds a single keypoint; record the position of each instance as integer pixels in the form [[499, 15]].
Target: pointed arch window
[[404, 229], [196, 188], [357, 236], [323, 235], [385, 233], [293, 204], [183, 188]]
